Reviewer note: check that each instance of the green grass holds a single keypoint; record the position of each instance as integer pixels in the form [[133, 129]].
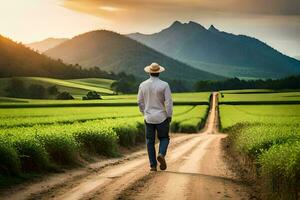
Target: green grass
[[191, 121], [263, 98], [247, 91], [273, 114], [12, 100], [64, 115], [270, 134], [17, 117], [199, 98], [177, 97]]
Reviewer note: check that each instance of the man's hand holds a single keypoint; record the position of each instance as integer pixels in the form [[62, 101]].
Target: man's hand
[[169, 119]]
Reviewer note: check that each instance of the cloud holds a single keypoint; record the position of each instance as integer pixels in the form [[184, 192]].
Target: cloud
[[270, 7], [276, 22]]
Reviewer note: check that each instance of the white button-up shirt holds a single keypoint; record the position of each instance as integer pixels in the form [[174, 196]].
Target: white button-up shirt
[[155, 100]]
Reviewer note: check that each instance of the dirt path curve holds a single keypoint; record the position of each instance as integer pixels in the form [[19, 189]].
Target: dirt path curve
[[196, 170]]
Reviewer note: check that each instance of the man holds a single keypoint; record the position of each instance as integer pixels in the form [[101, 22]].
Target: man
[[155, 103]]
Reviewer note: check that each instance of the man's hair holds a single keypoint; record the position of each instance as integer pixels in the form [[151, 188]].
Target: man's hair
[[154, 74]]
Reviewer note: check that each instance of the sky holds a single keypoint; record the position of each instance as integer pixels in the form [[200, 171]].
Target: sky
[[276, 22]]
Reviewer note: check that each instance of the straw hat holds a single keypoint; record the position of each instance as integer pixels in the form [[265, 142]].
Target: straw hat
[[154, 68]]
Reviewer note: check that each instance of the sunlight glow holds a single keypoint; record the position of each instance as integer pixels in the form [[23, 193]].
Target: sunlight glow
[[109, 8], [33, 20]]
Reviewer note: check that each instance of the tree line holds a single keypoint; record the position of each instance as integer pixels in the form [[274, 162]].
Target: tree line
[[18, 89], [129, 84], [291, 82]]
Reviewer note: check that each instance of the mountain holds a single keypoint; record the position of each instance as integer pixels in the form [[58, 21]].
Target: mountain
[[46, 44], [19, 60], [117, 53], [220, 52]]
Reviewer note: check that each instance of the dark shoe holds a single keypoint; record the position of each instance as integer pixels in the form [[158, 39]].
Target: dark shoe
[[153, 169], [162, 162]]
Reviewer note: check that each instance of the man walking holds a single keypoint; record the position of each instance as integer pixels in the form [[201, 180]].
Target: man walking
[[155, 103]]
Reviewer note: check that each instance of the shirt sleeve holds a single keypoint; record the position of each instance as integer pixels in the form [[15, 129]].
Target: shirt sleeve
[[168, 101], [140, 101]]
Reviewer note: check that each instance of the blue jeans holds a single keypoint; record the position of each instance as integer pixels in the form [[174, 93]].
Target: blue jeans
[[162, 130]]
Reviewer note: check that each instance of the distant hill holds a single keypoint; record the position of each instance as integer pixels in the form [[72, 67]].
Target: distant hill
[[220, 52], [46, 44], [19, 60], [76, 87], [117, 53]]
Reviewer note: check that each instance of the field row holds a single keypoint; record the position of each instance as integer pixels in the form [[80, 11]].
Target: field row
[[39, 147], [259, 97], [199, 98], [270, 135], [10, 118]]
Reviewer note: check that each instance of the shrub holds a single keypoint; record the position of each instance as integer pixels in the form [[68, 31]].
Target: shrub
[[32, 154], [64, 96], [127, 134], [256, 138], [52, 90], [188, 128], [36, 91], [10, 162], [141, 137], [275, 148], [16, 88], [97, 138], [175, 126], [60, 145], [91, 95], [280, 168]]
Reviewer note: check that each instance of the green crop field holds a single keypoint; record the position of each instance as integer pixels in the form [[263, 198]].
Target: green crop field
[[37, 139], [191, 121], [263, 98], [16, 117], [177, 97], [269, 134], [247, 91], [198, 98], [272, 114]]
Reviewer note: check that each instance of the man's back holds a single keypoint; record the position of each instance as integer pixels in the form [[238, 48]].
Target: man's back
[[154, 99], [155, 103]]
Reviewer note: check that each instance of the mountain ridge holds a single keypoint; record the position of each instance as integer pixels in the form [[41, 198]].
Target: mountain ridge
[[46, 44], [18, 60], [220, 52], [115, 52]]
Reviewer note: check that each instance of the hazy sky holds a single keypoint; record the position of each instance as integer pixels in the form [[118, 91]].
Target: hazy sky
[[276, 22]]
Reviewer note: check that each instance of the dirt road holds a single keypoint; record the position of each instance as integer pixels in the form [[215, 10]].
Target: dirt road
[[196, 170]]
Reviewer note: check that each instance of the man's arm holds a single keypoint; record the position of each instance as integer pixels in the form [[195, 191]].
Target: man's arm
[[140, 100], [168, 102]]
